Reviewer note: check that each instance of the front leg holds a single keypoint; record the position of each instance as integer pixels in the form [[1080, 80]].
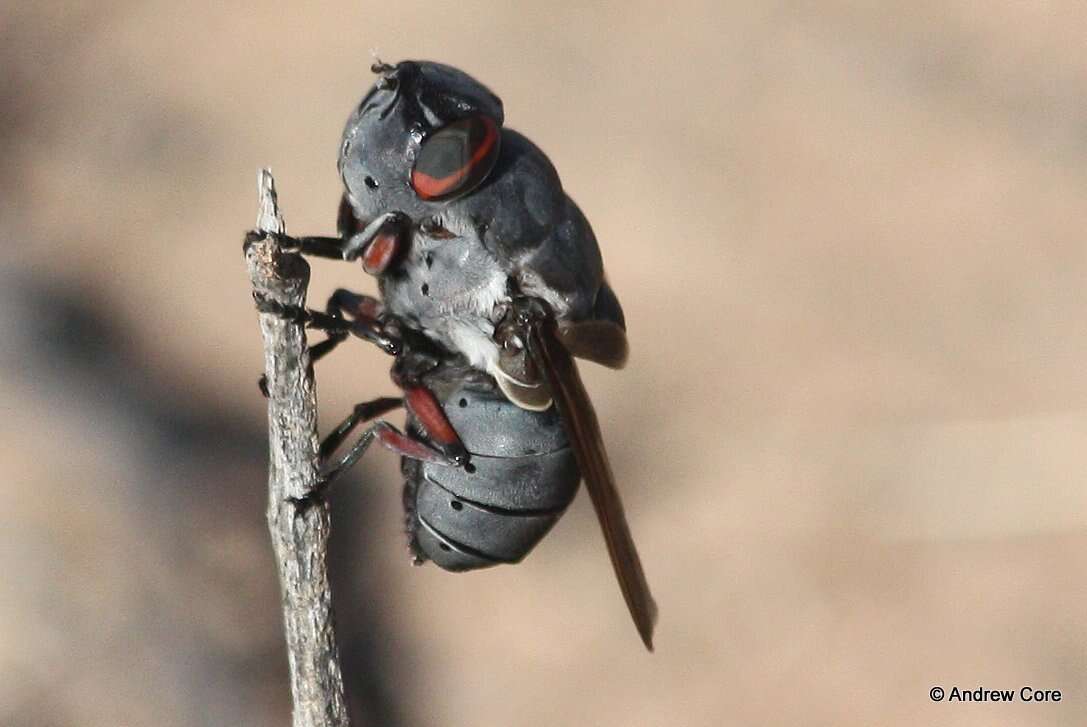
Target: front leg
[[327, 247], [378, 243]]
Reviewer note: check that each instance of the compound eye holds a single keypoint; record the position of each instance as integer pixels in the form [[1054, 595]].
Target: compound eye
[[455, 158]]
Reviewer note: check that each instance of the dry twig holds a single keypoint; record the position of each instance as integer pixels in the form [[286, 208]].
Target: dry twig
[[299, 528]]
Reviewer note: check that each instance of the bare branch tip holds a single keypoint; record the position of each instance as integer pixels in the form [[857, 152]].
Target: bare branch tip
[[269, 218]]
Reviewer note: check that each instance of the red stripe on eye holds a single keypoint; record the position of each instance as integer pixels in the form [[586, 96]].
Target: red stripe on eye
[[380, 253], [429, 187], [426, 409]]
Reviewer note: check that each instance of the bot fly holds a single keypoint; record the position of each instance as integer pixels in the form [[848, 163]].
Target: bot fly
[[491, 284]]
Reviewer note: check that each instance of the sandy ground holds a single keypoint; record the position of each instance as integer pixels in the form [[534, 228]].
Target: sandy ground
[[849, 239]]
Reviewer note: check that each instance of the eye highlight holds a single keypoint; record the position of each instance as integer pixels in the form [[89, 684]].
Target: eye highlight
[[456, 158]]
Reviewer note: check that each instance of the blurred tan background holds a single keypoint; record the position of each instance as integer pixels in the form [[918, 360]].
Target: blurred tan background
[[849, 238]]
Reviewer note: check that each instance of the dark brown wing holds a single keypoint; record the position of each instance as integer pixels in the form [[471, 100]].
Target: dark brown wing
[[602, 342], [577, 412]]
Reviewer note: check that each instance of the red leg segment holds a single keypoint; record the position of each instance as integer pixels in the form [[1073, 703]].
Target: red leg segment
[[424, 406]]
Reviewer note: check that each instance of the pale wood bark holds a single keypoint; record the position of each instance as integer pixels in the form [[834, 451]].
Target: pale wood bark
[[299, 527]]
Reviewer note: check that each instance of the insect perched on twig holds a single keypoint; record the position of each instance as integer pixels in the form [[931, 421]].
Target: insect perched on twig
[[491, 283]]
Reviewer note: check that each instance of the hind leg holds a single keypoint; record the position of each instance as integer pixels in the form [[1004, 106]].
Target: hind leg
[[439, 451], [361, 413], [392, 439]]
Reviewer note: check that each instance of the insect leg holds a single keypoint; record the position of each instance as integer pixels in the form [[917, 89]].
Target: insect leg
[[335, 325], [391, 438], [365, 312], [356, 305], [378, 242], [409, 373], [440, 434], [366, 329], [330, 247], [318, 350], [361, 413]]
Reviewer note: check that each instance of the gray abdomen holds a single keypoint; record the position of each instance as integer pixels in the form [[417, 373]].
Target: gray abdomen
[[523, 477]]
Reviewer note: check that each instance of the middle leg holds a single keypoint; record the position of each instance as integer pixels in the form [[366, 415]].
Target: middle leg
[[367, 329]]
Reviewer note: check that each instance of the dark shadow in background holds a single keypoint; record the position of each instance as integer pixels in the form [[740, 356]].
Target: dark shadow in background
[[194, 467], [66, 346]]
